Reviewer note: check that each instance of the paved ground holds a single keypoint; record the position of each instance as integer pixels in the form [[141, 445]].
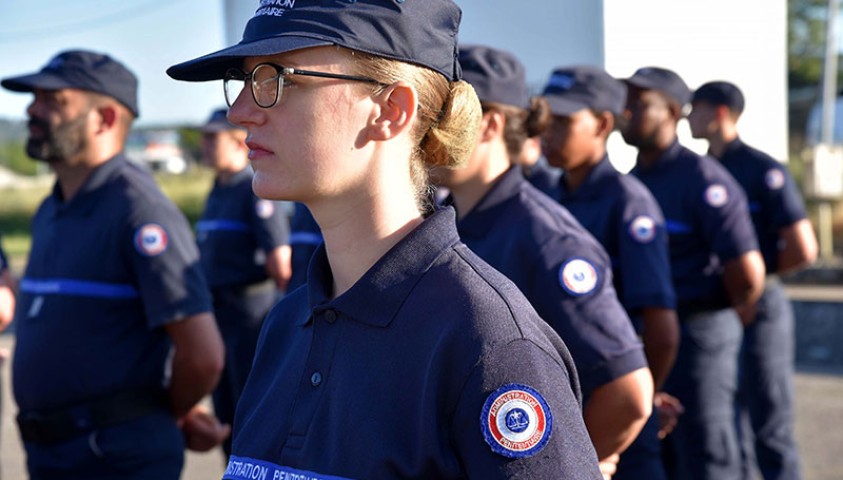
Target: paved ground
[[819, 429]]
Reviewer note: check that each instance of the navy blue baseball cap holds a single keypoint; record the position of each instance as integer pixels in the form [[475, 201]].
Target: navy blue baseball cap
[[497, 76], [666, 81], [423, 32], [83, 70], [572, 89], [720, 93], [218, 122]]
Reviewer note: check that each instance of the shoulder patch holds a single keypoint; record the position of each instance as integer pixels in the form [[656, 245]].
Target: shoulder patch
[[643, 229], [716, 195], [774, 178], [151, 240], [516, 421], [264, 208], [578, 277]]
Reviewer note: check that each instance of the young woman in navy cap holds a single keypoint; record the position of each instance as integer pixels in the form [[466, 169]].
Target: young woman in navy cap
[[558, 265], [404, 356]]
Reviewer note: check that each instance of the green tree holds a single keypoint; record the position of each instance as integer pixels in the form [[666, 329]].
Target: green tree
[[806, 42]]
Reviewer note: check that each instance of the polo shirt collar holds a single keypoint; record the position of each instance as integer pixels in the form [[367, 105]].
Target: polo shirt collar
[[98, 177], [382, 291], [485, 214], [591, 186]]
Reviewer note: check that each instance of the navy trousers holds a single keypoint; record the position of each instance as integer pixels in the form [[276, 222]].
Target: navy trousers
[[149, 447], [704, 445], [765, 395]]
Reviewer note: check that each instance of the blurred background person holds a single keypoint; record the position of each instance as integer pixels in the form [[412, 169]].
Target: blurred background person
[[624, 217], [535, 242], [244, 252], [717, 271], [305, 238], [787, 242], [115, 339]]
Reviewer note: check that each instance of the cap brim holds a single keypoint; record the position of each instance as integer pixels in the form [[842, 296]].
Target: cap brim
[[28, 83], [564, 106], [214, 65]]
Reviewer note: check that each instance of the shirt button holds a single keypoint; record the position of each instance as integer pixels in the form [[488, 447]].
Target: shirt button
[[330, 316], [316, 379]]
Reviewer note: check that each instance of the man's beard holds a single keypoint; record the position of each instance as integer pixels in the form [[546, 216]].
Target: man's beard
[[57, 142]]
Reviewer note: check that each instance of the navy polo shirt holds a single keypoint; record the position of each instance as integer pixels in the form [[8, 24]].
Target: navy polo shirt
[[624, 217], [707, 222], [106, 271], [563, 272], [544, 177], [236, 231], [774, 198], [305, 236], [399, 376]]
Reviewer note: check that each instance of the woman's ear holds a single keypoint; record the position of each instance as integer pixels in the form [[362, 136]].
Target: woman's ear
[[605, 124], [396, 108]]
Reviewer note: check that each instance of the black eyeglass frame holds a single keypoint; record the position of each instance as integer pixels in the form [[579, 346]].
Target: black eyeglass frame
[[240, 75]]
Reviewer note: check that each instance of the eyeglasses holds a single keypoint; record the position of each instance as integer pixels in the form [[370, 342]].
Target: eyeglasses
[[268, 80]]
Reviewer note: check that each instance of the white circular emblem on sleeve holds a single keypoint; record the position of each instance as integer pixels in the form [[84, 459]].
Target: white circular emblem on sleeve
[[774, 178], [264, 208], [716, 195], [578, 277], [643, 229], [151, 240], [516, 421]]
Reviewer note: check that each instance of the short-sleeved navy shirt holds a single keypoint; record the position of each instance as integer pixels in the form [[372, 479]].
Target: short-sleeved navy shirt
[[774, 198], [236, 231], [399, 376], [707, 222], [544, 177], [305, 236], [106, 271], [624, 217], [561, 269]]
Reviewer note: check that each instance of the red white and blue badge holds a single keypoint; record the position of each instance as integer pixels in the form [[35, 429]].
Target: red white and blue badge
[[264, 209], [151, 240], [774, 178], [516, 421], [716, 195], [578, 277], [643, 229]]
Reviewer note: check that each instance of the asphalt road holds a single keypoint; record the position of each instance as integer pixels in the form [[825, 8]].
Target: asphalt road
[[819, 429]]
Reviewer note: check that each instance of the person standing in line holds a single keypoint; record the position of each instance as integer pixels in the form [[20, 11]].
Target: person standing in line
[[717, 271], [561, 269], [787, 241], [405, 356], [624, 217], [115, 339], [244, 252]]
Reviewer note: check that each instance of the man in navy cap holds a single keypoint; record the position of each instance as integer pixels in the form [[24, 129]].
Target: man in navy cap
[[623, 215], [115, 336], [244, 251], [718, 273], [787, 242]]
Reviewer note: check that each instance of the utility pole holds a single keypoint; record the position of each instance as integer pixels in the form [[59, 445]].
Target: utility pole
[[829, 97]]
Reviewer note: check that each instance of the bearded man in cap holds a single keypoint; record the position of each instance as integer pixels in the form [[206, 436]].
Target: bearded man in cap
[[116, 342]]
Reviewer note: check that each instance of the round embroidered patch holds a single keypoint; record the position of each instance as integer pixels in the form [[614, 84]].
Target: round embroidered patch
[[774, 178], [264, 208], [578, 277], [643, 229], [516, 421], [151, 240], [716, 195]]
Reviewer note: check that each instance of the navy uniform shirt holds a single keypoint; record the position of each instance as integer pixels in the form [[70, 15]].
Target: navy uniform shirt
[[432, 365], [106, 271], [624, 217], [563, 272], [236, 231], [305, 236], [544, 177], [707, 222], [774, 198]]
